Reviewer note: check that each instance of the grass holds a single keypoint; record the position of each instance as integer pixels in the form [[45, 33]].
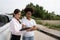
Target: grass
[[39, 22], [56, 26], [52, 26]]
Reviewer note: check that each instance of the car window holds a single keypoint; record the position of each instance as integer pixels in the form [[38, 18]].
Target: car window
[[3, 20], [10, 17]]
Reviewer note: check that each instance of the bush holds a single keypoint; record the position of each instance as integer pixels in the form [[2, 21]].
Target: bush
[[52, 26], [39, 22], [46, 24], [55, 26]]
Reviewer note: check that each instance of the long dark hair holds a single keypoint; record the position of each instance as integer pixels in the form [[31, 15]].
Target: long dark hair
[[16, 11]]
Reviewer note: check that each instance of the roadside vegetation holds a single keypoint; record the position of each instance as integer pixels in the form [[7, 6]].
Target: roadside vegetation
[[51, 26]]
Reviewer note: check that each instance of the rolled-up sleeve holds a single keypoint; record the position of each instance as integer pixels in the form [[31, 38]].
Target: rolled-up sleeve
[[34, 23]]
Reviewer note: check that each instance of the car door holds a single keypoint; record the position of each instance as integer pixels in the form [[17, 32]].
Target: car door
[[4, 27]]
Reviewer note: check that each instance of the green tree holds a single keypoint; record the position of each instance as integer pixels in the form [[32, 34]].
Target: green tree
[[40, 12]]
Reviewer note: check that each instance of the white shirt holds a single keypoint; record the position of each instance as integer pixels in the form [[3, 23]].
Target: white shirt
[[15, 26], [28, 23]]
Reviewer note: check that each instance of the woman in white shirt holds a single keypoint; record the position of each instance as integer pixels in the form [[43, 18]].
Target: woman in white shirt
[[29, 23], [15, 25]]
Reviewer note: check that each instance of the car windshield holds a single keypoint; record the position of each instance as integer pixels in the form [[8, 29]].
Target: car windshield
[[10, 17], [3, 20]]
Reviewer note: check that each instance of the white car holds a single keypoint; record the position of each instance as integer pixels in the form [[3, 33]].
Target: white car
[[4, 27]]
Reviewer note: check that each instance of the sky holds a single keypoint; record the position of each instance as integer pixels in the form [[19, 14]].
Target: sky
[[8, 6]]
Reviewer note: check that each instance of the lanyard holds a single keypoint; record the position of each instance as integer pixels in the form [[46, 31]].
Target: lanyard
[[18, 20]]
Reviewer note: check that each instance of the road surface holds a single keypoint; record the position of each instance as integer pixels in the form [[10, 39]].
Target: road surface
[[42, 36]]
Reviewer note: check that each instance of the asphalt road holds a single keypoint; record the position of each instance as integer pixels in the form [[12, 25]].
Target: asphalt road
[[42, 36]]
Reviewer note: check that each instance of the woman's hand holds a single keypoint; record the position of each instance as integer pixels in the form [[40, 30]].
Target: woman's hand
[[28, 30], [35, 28], [32, 28], [23, 26]]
